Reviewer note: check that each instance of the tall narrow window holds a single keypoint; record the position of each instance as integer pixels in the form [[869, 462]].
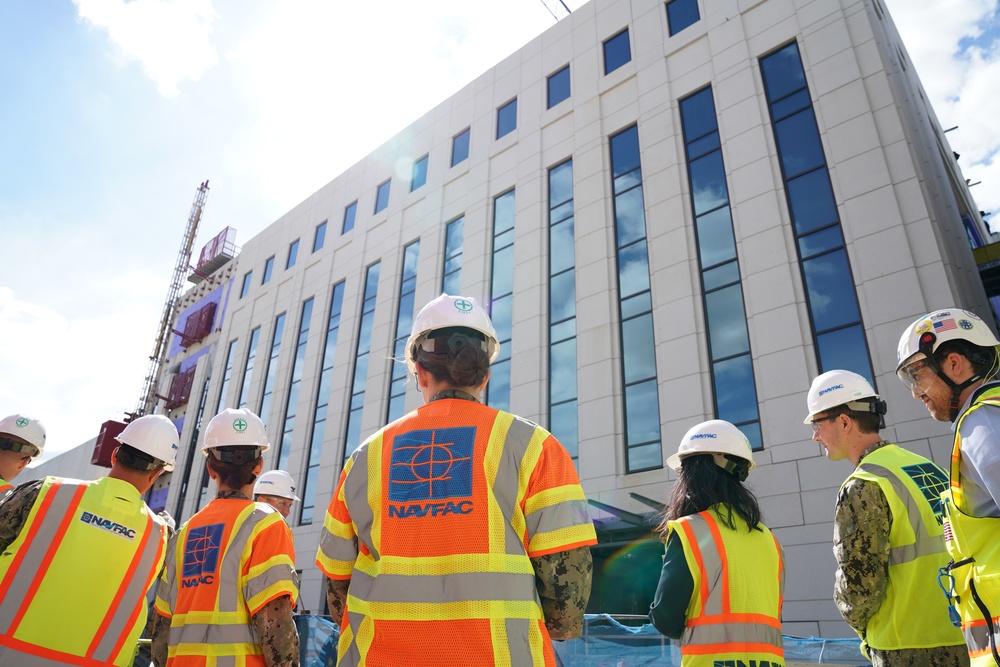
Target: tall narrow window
[[502, 298], [681, 14], [557, 87], [617, 52], [362, 354], [291, 405], [830, 294], [272, 368], [293, 254], [404, 322], [382, 195], [246, 283], [642, 404], [451, 283], [219, 405], [322, 404], [419, 177], [350, 213], [320, 237], [241, 400], [268, 267], [460, 147], [562, 309], [733, 386], [507, 118], [185, 474]]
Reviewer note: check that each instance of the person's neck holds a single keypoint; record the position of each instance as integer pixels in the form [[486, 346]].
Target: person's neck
[[862, 445]]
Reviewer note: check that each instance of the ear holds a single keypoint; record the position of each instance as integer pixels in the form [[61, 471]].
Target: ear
[[422, 375], [114, 456], [23, 462], [211, 473], [260, 466], [486, 381], [152, 475]]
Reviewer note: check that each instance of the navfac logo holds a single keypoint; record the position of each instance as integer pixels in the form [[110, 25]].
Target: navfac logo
[[432, 465], [702, 436], [201, 555], [829, 389], [108, 525]]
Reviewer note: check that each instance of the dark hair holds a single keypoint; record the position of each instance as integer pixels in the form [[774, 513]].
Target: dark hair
[[132, 458], [982, 359], [702, 484], [458, 357], [238, 471], [868, 422]]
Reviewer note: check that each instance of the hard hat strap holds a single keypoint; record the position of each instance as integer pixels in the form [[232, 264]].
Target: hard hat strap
[[926, 346]]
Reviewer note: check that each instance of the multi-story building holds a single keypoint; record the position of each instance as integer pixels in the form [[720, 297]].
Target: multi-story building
[[675, 211]]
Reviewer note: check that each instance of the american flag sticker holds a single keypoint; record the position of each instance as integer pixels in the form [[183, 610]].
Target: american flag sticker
[[945, 325]]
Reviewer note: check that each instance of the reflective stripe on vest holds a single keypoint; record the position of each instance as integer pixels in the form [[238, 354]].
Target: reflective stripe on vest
[[713, 629], [494, 586], [63, 519], [222, 632]]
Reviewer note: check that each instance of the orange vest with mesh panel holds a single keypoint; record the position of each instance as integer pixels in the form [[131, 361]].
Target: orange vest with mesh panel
[[212, 584], [434, 521]]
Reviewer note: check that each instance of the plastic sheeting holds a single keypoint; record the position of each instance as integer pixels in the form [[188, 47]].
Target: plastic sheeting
[[605, 643]]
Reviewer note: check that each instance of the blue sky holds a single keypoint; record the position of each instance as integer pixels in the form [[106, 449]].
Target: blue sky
[[113, 112]]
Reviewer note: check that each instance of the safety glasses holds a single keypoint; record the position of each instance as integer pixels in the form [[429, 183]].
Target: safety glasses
[[916, 375]]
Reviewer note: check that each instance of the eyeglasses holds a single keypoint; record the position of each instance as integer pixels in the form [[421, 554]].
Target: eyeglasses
[[912, 375], [816, 422]]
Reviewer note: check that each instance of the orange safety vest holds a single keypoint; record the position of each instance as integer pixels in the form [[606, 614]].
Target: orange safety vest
[[73, 584], [223, 565], [434, 522], [734, 615]]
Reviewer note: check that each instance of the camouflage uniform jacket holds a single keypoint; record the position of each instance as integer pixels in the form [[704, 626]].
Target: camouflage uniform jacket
[[861, 547], [14, 511]]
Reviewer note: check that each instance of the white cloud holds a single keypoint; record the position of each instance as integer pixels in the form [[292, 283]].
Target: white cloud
[[169, 38]]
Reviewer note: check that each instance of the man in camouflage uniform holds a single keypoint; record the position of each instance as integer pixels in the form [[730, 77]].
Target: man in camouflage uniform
[[887, 535]]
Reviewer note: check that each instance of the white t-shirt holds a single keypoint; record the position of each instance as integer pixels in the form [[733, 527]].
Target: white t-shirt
[[980, 467]]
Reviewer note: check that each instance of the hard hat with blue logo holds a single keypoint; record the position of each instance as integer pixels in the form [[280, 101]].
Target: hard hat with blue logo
[[154, 435], [839, 387], [716, 437], [275, 483]]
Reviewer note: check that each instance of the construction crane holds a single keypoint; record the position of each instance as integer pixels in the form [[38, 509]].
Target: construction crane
[[156, 360]]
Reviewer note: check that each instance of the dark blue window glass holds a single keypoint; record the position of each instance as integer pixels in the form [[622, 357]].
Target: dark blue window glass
[[352, 432], [643, 449], [241, 400], [382, 196], [562, 309], [733, 385], [502, 298], [268, 268], [451, 283], [350, 214], [557, 88], [219, 405], [616, 52], [291, 405], [831, 297], [507, 118], [246, 284], [271, 369], [419, 177], [293, 254], [404, 322], [320, 236], [328, 355], [681, 14], [460, 147]]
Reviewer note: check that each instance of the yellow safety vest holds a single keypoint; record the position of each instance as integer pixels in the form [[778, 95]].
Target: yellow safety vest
[[734, 615], [5, 486], [73, 584], [913, 613], [974, 546]]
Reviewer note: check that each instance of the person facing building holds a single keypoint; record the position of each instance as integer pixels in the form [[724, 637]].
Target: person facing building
[[949, 360], [21, 440], [721, 566], [229, 585], [277, 489], [458, 534], [888, 539], [77, 558]]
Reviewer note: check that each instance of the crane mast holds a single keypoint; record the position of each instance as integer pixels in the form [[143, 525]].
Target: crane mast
[[148, 397]]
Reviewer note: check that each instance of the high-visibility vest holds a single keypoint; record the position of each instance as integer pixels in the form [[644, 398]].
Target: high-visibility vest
[[223, 565], [913, 613], [735, 609], [5, 486], [974, 546], [73, 584], [434, 522]]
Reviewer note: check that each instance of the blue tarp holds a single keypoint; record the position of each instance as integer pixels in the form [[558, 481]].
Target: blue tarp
[[605, 643]]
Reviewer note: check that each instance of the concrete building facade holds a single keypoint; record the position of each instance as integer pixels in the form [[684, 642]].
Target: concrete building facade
[[675, 211]]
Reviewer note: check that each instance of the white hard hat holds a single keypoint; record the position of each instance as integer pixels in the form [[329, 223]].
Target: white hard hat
[[235, 428], [25, 429], [155, 435], [835, 388], [929, 332], [717, 437], [275, 483], [450, 311]]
